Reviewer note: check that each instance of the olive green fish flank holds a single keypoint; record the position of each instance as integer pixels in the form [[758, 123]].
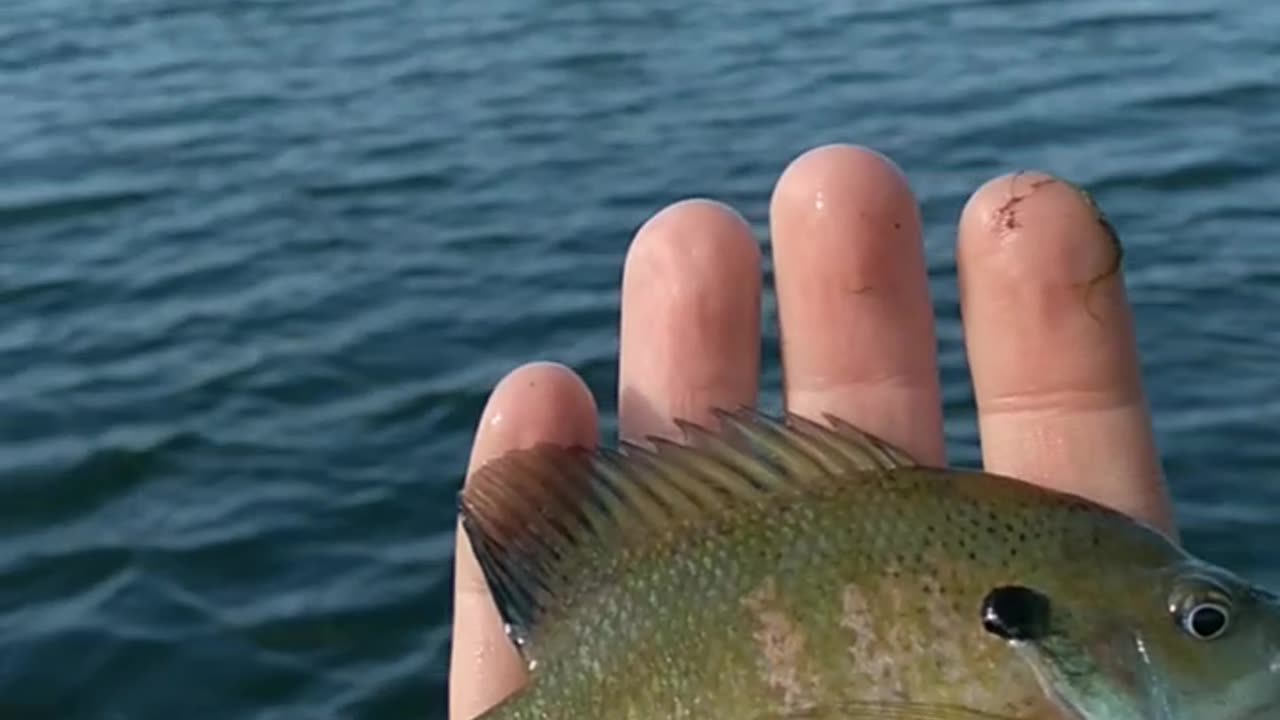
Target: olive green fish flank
[[785, 661], [526, 512]]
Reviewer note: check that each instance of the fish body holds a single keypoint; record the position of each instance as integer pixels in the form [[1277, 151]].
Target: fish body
[[795, 570]]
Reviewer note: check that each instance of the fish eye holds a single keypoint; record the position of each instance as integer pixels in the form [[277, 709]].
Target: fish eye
[[1206, 620], [1203, 609]]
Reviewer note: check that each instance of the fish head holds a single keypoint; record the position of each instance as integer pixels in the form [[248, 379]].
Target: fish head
[[1214, 650], [1191, 641]]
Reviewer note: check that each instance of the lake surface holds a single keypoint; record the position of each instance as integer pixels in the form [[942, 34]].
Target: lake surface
[[262, 260]]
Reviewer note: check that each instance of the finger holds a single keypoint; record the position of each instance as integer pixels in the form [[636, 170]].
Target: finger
[[690, 337], [540, 402], [853, 298], [1051, 346]]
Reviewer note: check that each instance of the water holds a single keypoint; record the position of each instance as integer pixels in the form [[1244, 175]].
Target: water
[[261, 261]]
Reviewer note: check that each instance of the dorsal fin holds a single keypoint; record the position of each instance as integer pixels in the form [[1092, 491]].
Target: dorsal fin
[[546, 520]]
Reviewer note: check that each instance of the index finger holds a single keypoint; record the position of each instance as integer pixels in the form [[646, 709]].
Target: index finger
[[1051, 346]]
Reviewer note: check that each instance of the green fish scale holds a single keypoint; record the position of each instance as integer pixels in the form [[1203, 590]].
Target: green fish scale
[[866, 591]]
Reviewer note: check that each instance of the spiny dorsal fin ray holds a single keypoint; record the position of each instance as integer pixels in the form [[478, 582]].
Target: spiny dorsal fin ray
[[858, 448], [547, 521]]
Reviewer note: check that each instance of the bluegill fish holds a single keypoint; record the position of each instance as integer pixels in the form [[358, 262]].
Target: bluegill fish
[[776, 569]]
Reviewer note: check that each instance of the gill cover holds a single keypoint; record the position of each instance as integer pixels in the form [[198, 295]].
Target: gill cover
[[1094, 671]]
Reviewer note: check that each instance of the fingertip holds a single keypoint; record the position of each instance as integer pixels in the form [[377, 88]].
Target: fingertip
[[1034, 225], [818, 179], [690, 327], [687, 244], [539, 402], [840, 158]]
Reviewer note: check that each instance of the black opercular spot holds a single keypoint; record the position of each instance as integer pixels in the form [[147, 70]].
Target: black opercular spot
[[1014, 612]]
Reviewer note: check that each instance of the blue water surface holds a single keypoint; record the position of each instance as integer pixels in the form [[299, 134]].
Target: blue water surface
[[262, 260]]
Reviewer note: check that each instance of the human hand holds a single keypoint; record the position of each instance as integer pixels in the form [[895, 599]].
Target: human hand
[[1057, 383]]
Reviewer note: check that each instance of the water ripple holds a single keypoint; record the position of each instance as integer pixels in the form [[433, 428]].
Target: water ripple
[[263, 261]]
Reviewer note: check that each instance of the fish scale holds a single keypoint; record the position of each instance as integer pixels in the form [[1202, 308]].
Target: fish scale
[[795, 570]]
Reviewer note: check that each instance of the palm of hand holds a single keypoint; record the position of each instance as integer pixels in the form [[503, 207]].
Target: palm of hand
[[1057, 382]]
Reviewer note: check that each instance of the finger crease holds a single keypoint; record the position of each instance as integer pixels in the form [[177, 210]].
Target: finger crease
[[1060, 401]]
